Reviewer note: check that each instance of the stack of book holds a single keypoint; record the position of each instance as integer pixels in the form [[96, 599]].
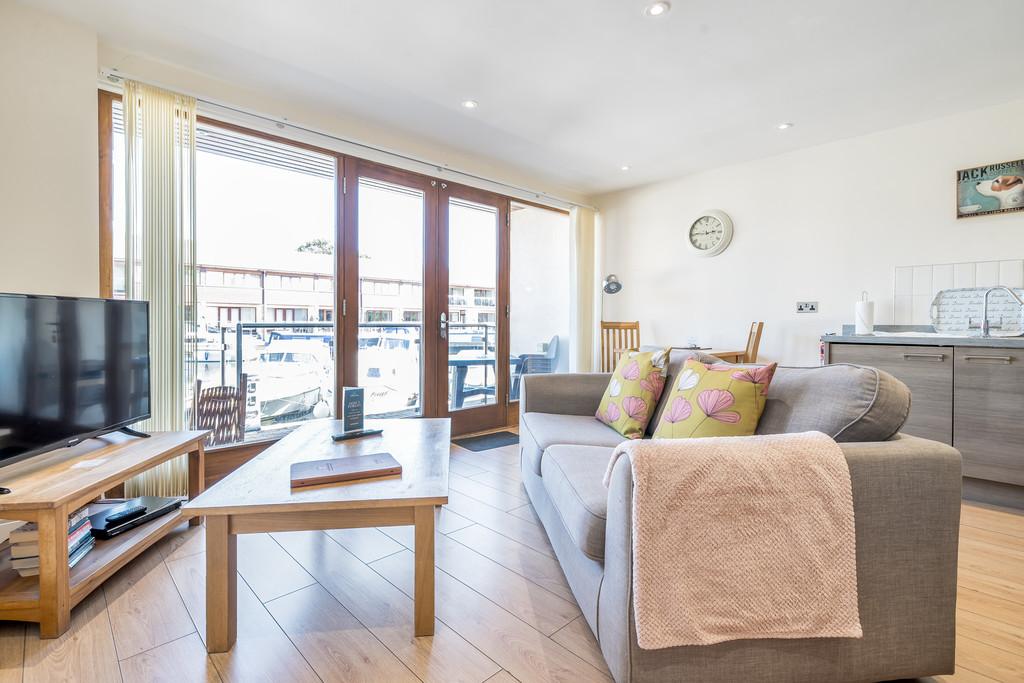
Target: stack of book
[[25, 543]]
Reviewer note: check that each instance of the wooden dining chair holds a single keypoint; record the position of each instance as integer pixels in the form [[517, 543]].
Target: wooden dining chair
[[221, 410], [616, 339], [753, 342]]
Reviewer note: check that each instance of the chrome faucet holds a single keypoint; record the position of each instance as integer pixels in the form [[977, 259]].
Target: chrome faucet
[[985, 328]]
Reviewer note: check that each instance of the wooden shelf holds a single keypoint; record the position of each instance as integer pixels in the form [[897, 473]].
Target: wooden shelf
[[48, 489], [105, 558], [108, 556]]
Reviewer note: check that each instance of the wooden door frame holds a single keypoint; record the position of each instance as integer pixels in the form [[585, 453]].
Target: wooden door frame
[[480, 418], [356, 168]]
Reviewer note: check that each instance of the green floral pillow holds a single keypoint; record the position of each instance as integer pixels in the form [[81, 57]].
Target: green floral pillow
[[633, 392], [715, 400]]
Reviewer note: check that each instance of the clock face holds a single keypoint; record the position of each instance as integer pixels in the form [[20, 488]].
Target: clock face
[[706, 233], [711, 233]]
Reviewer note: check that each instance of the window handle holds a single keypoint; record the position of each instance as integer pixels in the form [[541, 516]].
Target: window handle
[[443, 325]]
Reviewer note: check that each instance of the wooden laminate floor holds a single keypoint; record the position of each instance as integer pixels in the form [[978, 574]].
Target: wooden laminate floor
[[337, 606]]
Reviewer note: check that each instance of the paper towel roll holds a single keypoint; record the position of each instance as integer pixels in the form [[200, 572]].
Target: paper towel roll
[[864, 317]]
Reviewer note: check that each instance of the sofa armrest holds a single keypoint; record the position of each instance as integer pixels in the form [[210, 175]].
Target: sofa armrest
[[564, 393], [906, 497]]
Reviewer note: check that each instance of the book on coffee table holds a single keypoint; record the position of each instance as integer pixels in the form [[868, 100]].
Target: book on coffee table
[[344, 469]]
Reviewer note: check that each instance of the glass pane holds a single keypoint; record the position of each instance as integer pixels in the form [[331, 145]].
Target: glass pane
[[265, 216], [472, 297], [391, 223], [539, 296]]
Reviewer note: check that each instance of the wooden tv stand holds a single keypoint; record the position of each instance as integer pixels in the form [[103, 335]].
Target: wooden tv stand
[[47, 488]]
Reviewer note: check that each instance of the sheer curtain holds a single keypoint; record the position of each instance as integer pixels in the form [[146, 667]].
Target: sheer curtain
[[160, 164], [585, 307]]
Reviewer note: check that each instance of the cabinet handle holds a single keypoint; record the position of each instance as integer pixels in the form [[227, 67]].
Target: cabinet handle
[[934, 357], [1001, 359]]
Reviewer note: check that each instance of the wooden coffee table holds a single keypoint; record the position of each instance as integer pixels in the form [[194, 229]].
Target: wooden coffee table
[[257, 498]]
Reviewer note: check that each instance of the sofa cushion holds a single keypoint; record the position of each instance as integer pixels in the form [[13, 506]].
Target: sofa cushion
[[676, 359], [847, 402], [538, 431], [706, 402], [573, 476], [633, 392]]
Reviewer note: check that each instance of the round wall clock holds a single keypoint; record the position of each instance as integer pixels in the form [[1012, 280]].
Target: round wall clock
[[711, 233]]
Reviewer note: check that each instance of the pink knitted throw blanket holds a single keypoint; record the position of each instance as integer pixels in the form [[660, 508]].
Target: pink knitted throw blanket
[[741, 537]]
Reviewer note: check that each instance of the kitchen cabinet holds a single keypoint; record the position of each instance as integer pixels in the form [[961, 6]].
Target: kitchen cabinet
[[966, 392], [988, 412]]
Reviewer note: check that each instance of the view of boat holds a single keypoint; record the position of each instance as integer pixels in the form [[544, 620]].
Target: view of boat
[[293, 380], [389, 369]]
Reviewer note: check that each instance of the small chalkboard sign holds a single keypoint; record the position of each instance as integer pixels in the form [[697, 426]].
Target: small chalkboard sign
[[352, 405]]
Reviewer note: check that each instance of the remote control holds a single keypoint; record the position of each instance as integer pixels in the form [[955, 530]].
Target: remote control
[[125, 515], [355, 434]]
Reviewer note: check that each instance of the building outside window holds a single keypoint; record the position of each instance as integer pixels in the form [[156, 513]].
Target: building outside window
[[483, 297], [211, 278], [412, 316], [376, 315], [326, 315], [237, 279], [282, 315], [484, 317], [229, 314], [456, 296]]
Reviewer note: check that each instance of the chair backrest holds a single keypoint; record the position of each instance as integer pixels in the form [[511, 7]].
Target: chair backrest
[[221, 410], [552, 351], [617, 337], [753, 342], [533, 364]]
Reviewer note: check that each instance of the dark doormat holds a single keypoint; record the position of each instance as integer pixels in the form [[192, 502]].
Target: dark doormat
[[486, 442]]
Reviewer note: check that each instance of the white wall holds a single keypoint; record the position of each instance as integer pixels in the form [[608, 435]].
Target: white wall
[[819, 224], [48, 168]]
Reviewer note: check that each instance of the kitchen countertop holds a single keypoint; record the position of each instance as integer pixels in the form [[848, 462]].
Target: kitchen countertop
[[848, 337]]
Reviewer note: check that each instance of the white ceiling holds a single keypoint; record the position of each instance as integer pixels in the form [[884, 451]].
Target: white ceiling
[[570, 90]]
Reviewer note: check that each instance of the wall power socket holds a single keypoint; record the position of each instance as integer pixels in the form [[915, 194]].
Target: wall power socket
[[806, 306]]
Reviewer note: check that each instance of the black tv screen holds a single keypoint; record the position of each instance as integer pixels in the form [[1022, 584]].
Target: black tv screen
[[69, 369]]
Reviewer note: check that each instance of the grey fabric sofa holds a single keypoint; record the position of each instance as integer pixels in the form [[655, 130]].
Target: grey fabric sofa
[[906, 494]]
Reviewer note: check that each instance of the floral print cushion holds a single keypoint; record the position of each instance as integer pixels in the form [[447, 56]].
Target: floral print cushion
[[715, 400], [633, 392]]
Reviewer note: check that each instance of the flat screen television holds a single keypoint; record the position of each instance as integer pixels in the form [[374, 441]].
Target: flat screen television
[[70, 369]]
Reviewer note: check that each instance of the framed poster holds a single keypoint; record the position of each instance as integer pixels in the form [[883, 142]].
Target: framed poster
[[996, 188]]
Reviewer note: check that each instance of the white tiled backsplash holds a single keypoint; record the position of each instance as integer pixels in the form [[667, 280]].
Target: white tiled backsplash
[[916, 286]]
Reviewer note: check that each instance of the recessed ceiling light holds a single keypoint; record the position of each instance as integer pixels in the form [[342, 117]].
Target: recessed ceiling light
[[623, 168], [470, 104], [784, 126], [657, 9]]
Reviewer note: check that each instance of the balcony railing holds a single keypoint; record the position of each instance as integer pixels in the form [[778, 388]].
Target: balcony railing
[[290, 366]]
